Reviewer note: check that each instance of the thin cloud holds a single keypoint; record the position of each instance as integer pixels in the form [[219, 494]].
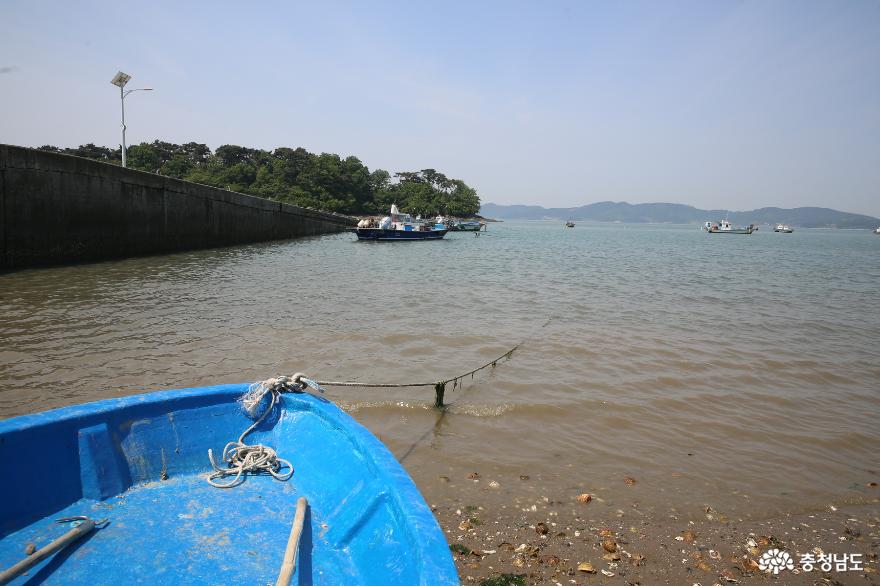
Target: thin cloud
[[8, 69]]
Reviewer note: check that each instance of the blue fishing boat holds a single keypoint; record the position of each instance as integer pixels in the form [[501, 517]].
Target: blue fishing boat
[[400, 226], [134, 474], [391, 234]]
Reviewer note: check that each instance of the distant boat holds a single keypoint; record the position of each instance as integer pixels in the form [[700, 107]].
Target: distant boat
[[569, 224], [783, 228], [724, 227], [876, 230], [468, 226], [400, 226], [141, 464]]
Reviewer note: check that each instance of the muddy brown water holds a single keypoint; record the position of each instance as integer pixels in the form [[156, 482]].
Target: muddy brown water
[[737, 372]]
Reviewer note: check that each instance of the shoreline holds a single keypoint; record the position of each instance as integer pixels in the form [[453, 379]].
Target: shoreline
[[499, 538]]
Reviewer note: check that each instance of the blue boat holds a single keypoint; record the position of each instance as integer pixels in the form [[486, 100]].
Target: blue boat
[[138, 467], [392, 234], [400, 227]]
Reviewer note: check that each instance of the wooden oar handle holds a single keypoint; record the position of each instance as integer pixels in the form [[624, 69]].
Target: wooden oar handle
[[27, 563], [289, 564]]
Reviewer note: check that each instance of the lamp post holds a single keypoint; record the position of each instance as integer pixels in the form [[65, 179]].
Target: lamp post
[[120, 79]]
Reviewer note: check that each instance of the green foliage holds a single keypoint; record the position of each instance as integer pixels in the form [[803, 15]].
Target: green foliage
[[460, 549], [91, 151], [325, 181], [428, 192]]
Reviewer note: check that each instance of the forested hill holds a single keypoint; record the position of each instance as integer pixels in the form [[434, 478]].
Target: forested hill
[[325, 182], [672, 213]]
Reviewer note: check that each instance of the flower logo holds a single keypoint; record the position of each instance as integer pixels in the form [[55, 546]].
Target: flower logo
[[775, 560]]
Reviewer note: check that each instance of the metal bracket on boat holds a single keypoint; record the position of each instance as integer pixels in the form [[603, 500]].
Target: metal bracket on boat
[[302, 380], [295, 383], [80, 519]]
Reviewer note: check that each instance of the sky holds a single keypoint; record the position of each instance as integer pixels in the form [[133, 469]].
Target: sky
[[716, 104]]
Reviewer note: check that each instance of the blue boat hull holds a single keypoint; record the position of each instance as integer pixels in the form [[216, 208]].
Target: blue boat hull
[[366, 523], [380, 234]]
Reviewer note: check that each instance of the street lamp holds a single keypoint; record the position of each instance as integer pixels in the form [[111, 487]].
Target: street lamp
[[120, 79]]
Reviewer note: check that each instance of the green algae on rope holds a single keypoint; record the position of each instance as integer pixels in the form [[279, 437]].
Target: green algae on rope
[[439, 389]]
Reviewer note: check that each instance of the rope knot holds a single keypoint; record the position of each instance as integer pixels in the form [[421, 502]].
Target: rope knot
[[241, 458]]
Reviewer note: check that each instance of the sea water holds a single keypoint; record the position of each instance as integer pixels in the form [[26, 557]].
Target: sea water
[[737, 372]]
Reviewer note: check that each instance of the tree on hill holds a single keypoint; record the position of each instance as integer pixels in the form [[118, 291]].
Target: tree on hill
[[323, 181]]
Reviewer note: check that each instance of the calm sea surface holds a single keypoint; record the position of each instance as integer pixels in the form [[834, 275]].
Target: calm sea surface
[[738, 372]]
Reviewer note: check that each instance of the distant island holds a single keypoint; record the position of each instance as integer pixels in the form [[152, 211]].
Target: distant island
[[673, 213]]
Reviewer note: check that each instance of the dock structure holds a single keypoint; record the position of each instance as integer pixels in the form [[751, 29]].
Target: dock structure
[[58, 209]]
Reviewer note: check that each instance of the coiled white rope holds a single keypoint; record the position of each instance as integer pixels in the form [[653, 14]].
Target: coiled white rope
[[242, 458]]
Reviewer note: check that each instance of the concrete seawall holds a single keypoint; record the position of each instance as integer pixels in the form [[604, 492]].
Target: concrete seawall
[[58, 208]]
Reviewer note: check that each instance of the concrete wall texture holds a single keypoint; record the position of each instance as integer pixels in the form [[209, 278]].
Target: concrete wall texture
[[59, 209]]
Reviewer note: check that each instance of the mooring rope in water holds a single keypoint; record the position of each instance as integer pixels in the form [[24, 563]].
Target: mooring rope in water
[[439, 386], [242, 458]]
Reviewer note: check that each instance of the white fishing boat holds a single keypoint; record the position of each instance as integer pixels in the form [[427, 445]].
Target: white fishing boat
[[784, 228], [725, 227], [467, 226]]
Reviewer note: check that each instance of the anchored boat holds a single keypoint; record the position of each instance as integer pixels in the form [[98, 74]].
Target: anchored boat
[[468, 226], [134, 472], [724, 227], [400, 226], [785, 229]]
